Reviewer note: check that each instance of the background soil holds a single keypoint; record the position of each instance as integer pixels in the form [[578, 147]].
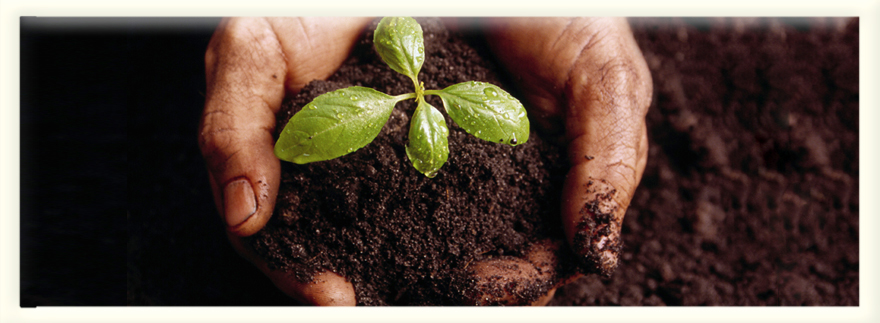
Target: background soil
[[750, 196], [751, 193]]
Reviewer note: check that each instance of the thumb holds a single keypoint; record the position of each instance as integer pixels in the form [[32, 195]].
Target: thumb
[[608, 95], [245, 75], [251, 63]]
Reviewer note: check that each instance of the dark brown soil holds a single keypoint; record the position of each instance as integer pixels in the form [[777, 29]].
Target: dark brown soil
[[400, 237], [751, 191]]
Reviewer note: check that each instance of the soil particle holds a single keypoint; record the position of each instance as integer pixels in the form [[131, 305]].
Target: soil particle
[[709, 217]]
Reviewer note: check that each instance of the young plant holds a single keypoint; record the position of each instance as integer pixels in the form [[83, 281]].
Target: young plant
[[339, 122]]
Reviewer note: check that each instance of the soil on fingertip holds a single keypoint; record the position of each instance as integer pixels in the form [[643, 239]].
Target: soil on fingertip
[[402, 238]]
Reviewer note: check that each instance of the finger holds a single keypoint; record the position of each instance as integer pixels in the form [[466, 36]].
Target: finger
[[315, 47], [325, 289], [248, 70], [531, 280], [590, 73]]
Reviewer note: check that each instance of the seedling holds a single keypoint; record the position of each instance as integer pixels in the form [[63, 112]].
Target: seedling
[[342, 121]]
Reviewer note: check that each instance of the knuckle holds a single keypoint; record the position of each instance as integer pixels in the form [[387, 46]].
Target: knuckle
[[216, 132], [613, 75], [241, 31], [244, 43], [218, 147], [617, 82]]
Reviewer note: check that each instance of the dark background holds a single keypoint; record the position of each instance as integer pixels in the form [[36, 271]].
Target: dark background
[[116, 208]]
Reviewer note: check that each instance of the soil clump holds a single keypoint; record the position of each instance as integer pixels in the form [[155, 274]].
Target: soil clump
[[398, 236]]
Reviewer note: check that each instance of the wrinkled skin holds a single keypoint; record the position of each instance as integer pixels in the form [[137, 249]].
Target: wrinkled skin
[[583, 76]]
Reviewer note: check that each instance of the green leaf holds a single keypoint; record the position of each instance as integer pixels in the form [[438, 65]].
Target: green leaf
[[400, 43], [334, 124], [428, 146], [486, 111]]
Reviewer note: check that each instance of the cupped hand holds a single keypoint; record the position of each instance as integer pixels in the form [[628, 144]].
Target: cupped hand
[[250, 65], [587, 77], [585, 74]]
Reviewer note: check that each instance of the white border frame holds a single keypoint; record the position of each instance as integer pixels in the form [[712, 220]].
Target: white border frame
[[11, 10]]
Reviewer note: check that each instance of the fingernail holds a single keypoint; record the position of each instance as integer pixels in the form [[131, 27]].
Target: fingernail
[[239, 202]]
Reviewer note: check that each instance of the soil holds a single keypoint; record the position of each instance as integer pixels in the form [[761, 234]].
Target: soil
[[402, 238], [751, 191]]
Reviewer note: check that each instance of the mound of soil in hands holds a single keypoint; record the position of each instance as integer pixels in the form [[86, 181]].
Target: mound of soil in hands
[[750, 194], [398, 236]]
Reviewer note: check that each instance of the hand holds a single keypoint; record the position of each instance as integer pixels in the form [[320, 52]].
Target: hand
[[250, 65], [602, 90], [588, 75]]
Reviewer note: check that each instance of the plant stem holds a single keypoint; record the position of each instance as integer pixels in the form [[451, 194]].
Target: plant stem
[[420, 88], [402, 97]]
